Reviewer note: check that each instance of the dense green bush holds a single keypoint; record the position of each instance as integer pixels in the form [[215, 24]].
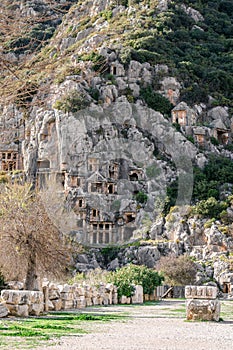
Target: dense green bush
[[156, 101], [171, 196], [126, 277], [141, 197], [199, 56], [210, 208], [214, 141], [94, 93], [207, 181], [110, 253], [207, 184]]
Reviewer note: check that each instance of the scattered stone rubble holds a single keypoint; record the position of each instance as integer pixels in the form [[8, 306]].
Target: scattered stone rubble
[[202, 303]]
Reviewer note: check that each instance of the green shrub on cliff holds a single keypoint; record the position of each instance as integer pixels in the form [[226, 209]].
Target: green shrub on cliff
[[72, 102], [210, 208]]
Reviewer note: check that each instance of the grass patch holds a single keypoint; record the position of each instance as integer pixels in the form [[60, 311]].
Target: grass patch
[[227, 310], [34, 331], [83, 316], [44, 329], [179, 310]]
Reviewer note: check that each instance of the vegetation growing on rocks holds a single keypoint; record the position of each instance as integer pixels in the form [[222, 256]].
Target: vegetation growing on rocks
[[63, 59]]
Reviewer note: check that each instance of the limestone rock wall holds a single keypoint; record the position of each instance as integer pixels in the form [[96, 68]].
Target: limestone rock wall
[[103, 161]]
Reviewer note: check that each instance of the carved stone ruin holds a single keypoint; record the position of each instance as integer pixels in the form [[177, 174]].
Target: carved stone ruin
[[202, 303], [23, 302]]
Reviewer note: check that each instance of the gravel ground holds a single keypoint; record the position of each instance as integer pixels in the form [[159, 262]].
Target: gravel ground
[[150, 327]]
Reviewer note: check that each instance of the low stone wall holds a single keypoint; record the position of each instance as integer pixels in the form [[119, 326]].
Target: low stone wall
[[202, 303], [64, 297], [23, 302]]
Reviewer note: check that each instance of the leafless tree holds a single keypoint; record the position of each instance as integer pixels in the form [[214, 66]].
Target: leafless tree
[[31, 246], [25, 28], [178, 271]]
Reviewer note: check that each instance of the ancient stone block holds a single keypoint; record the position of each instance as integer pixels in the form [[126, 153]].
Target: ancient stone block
[[105, 299], [81, 302], [204, 310], [110, 294], [10, 296], [101, 300], [66, 288], [18, 310], [109, 287], [36, 309], [137, 298], [54, 294], [115, 299], [21, 297], [3, 310], [95, 300], [88, 302], [124, 300], [200, 292], [67, 304], [16, 285], [35, 297], [50, 305], [67, 296], [57, 304]]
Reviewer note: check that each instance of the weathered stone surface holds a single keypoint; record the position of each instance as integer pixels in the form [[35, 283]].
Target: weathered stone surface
[[201, 292], [204, 310], [18, 310], [15, 285], [194, 14], [137, 298], [22, 302], [148, 256], [54, 294], [3, 310], [214, 236], [124, 300], [157, 228], [67, 304], [21, 296], [57, 304], [36, 309]]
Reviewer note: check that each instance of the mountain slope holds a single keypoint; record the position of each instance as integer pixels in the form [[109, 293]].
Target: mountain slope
[[129, 103]]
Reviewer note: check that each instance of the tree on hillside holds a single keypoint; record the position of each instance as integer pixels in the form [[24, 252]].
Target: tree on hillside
[[26, 28], [31, 247]]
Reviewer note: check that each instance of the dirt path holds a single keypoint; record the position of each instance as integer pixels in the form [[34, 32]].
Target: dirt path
[[150, 327]]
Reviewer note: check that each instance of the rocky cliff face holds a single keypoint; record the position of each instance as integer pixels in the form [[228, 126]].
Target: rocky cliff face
[[112, 149]]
